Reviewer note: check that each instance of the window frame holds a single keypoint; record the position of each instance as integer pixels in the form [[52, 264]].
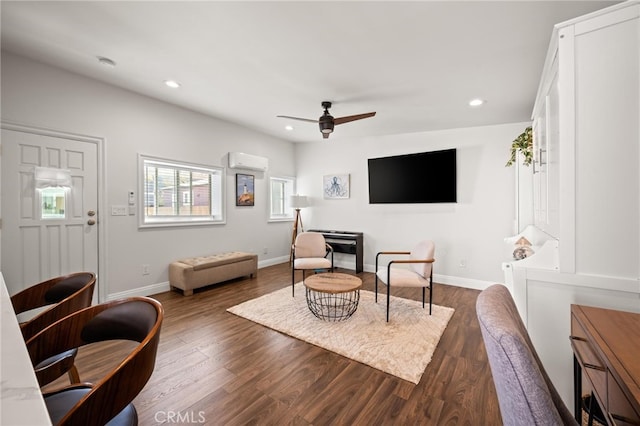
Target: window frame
[[218, 198], [288, 216]]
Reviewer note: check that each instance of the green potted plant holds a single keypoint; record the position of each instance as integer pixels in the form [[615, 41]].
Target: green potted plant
[[524, 144]]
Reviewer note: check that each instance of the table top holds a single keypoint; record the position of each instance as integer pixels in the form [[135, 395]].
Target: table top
[[333, 282], [616, 335], [21, 399]]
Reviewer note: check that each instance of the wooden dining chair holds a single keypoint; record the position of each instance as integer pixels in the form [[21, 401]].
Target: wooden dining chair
[[54, 299], [109, 400]]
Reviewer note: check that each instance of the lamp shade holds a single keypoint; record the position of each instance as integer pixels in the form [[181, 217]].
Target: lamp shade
[[298, 201]]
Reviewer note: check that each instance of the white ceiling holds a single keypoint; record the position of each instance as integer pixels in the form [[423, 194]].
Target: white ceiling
[[415, 63]]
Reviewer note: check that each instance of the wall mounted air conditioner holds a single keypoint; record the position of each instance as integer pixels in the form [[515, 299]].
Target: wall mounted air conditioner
[[240, 160]]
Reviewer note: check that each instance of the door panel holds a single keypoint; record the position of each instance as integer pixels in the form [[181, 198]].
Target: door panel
[[35, 248]]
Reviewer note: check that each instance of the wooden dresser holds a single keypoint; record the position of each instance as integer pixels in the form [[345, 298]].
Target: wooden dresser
[[606, 347]]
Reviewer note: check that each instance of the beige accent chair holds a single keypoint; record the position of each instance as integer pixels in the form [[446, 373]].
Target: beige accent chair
[[418, 274], [309, 253]]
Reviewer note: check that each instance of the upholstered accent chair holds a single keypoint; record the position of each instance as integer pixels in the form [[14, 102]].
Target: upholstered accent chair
[[419, 272], [50, 301], [310, 251], [108, 401], [526, 395]]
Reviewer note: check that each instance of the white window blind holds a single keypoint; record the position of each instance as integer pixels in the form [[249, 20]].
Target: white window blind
[[174, 193]]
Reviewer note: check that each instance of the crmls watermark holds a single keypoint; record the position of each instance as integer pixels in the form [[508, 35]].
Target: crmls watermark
[[179, 417]]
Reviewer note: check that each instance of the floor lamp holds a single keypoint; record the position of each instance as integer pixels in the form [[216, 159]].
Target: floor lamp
[[297, 202]]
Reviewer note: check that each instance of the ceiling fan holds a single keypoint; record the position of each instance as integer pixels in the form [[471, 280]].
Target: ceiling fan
[[327, 122]]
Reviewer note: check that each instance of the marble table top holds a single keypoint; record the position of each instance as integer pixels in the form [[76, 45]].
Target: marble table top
[[21, 401]]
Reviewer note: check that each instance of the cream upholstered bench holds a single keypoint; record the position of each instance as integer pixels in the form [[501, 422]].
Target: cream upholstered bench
[[196, 272]]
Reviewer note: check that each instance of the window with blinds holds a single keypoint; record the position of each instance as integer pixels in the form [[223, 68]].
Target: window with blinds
[[175, 193]]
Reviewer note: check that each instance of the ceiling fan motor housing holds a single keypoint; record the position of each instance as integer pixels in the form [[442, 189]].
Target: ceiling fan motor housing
[[326, 123]]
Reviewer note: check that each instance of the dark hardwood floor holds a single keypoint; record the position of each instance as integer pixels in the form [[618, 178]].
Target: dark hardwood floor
[[215, 368]]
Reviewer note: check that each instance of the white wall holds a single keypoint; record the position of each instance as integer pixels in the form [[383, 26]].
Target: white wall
[[42, 96], [469, 232]]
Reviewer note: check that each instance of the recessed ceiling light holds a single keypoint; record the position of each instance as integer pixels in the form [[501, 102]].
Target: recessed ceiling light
[[476, 102], [106, 61], [288, 128], [172, 84]]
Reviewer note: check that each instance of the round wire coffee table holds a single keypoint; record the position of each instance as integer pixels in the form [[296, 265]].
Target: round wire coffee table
[[333, 296]]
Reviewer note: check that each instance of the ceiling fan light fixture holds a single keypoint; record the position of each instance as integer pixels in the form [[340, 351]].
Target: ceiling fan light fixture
[[172, 83], [326, 126]]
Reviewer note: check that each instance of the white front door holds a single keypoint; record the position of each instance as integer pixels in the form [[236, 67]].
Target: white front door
[[52, 231]]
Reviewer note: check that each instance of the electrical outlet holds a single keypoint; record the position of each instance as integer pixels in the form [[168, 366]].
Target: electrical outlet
[[145, 270], [463, 263], [265, 250]]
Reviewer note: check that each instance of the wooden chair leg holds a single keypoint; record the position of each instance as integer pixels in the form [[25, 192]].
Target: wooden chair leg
[[74, 377]]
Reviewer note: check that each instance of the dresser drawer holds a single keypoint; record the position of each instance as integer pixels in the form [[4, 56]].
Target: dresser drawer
[[591, 363], [620, 410]]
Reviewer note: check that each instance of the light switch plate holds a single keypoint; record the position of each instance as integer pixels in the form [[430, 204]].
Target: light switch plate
[[118, 210]]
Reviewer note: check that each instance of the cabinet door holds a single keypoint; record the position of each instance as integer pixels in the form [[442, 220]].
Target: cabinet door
[[539, 170], [546, 178], [550, 157]]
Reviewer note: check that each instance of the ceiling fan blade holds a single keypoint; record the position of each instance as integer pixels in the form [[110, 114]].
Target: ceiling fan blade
[[349, 118], [297, 118]]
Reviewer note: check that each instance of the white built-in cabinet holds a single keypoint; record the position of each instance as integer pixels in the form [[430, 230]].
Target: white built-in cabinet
[[586, 182]]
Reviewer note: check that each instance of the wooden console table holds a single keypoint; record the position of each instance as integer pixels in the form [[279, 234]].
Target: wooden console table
[[346, 242], [606, 348]]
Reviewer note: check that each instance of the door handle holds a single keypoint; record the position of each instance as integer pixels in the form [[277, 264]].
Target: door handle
[[91, 222], [91, 213]]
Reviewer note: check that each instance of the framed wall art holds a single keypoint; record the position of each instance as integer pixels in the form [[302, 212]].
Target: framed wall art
[[336, 186], [245, 189]]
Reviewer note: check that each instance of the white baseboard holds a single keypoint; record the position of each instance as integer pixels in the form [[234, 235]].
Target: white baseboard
[[162, 287], [442, 279], [274, 261], [462, 282], [141, 291]]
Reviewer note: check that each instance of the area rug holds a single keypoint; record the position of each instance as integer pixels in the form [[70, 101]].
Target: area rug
[[402, 347]]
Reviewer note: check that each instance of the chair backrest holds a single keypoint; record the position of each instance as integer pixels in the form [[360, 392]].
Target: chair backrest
[[423, 250], [62, 296], [137, 319], [526, 395], [310, 244]]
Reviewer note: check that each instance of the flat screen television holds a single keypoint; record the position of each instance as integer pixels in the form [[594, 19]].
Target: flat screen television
[[425, 177]]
